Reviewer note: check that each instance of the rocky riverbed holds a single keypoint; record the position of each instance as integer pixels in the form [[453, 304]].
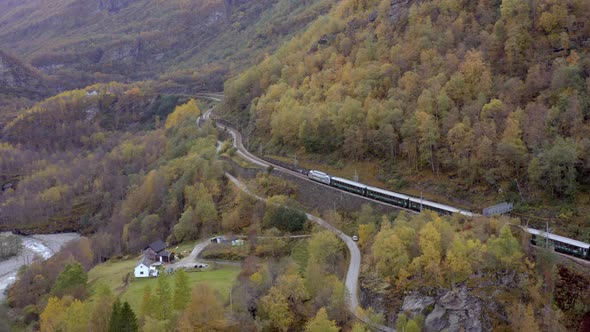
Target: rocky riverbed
[[41, 245]]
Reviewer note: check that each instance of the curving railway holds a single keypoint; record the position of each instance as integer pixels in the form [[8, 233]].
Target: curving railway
[[559, 243]]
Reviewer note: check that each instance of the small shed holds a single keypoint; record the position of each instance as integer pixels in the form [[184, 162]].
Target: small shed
[[156, 251], [165, 256]]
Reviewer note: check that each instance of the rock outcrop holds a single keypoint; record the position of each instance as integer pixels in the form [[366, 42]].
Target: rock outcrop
[[452, 310], [18, 79]]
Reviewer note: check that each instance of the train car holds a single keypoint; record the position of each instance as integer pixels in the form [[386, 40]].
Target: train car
[[388, 197], [560, 243], [351, 186], [319, 176], [418, 204]]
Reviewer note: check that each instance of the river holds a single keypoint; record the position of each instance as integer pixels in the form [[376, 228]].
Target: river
[[43, 245]]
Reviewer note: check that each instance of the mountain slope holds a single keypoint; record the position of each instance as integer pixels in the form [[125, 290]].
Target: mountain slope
[[83, 41], [488, 97], [18, 79]]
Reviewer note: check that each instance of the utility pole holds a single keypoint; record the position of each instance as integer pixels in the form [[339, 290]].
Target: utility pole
[[295, 160], [420, 202], [356, 175], [546, 234]]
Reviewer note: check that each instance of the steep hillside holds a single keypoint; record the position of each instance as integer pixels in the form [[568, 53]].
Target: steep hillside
[[66, 161], [18, 79], [84, 41], [480, 101], [20, 86]]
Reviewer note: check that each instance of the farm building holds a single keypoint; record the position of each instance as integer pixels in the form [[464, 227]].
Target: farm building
[[144, 268]]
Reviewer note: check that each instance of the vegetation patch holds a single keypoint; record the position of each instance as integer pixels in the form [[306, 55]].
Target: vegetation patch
[[228, 252], [219, 279]]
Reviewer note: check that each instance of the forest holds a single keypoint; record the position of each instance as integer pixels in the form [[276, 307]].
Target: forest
[[470, 102], [489, 98]]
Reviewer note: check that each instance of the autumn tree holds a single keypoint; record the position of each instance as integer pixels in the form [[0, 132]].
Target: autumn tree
[[389, 252], [204, 312], [325, 250], [147, 303], [462, 258], [186, 228], [181, 290], [182, 113], [275, 308], [505, 249], [100, 308], [77, 317], [321, 323], [557, 165], [429, 263], [162, 303], [72, 280], [53, 317]]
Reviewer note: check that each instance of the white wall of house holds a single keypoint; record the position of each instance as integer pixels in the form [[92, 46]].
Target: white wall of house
[[141, 271]]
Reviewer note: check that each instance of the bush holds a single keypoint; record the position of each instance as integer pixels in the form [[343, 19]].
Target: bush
[[285, 218], [10, 245]]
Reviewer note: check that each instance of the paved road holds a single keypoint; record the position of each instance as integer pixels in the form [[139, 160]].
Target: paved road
[[191, 259], [354, 265]]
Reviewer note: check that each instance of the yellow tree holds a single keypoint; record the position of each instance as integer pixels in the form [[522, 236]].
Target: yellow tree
[[77, 317], [428, 264], [275, 307], [321, 323], [204, 312], [54, 315], [462, 257], [511, 150], [390, 254], [183, 113]]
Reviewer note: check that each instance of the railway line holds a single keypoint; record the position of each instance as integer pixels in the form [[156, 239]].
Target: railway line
[[564, 246], [353, 272]]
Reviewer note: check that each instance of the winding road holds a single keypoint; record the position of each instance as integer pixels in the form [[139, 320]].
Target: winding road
[[354, 265]]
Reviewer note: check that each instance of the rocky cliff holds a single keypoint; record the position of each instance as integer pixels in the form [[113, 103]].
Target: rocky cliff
[[18, 79], [452, 310]]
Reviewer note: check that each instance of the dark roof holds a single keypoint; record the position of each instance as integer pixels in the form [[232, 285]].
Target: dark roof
[[164, 253], [157, 246], [145, 260]]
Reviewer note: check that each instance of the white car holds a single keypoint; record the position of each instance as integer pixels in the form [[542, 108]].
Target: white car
[[355, 238]]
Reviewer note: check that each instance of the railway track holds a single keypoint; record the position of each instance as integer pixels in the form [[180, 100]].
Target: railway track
[[354, 265]]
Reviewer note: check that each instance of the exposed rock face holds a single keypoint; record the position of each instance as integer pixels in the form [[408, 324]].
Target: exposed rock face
[[416, 303], [18, 79], [123, 52], [454, 310]]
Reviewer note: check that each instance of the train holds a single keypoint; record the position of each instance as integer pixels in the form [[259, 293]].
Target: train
[[560, 243], [557, 242], [385, 196]]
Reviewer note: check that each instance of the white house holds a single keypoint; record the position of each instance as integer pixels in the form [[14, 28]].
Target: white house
[[144, 268]]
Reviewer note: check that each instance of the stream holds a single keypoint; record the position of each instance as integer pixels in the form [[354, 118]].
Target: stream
[[42, 245]]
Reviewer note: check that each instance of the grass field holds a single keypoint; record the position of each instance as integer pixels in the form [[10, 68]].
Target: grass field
[[220, 279], [113, 274]]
